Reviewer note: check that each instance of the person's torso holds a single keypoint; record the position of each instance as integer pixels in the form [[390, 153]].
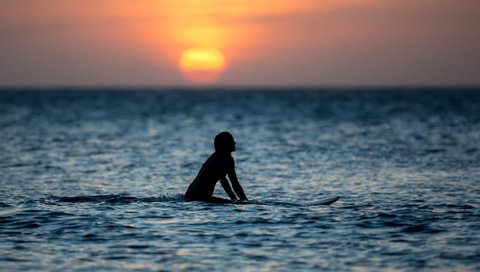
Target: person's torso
[[214, 168]]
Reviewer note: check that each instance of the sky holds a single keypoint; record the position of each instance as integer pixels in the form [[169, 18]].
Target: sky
[[125, 43]]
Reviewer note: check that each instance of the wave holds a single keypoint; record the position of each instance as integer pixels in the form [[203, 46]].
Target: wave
[[119, 199]]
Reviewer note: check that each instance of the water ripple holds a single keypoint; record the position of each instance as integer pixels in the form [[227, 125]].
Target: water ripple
[[93, 181]]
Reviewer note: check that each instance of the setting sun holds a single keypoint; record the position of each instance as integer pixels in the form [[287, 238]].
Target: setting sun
[[202, 65]]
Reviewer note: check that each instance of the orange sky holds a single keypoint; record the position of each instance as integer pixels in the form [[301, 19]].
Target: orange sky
[[267, 43]]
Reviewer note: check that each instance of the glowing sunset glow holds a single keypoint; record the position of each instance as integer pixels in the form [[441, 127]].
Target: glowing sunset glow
[[267, 42], [202, 65]]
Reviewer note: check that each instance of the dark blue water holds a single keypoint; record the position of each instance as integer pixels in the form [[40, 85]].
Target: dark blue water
[[92, 180]]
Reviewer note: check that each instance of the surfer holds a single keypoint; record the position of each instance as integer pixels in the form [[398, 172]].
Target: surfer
[[216, 168]]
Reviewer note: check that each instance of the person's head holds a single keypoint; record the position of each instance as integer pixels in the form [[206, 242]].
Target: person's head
[[224, 142]]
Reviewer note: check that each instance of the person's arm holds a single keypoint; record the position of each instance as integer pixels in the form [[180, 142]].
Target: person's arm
[[227, 188], [235, 184]]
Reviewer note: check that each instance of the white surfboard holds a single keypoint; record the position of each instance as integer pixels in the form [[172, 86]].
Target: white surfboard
[[324, 201], [249, 202]]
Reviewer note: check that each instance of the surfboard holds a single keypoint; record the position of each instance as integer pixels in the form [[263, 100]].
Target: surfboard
[[249, 202], [324, 201]]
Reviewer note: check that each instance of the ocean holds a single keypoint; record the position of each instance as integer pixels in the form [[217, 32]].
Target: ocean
[[93, 180]]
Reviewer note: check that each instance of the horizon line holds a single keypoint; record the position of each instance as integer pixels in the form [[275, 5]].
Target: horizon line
[[234, 87]]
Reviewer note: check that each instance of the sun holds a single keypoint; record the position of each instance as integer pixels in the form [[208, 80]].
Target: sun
[[202, 65]]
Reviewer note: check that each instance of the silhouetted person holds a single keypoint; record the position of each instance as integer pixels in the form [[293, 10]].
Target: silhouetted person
[[216, 168]]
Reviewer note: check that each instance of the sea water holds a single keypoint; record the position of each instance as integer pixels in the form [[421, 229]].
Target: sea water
[[92, 180]]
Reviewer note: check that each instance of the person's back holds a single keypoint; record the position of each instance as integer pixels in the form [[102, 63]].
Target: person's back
[[215, 169]]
